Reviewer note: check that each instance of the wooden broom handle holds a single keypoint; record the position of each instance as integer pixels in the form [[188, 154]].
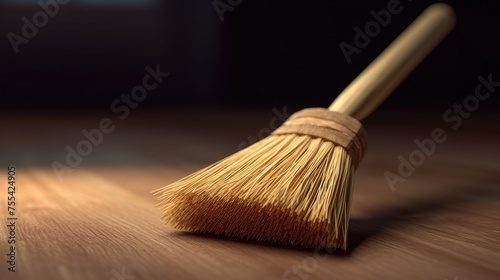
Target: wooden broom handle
[[363, 95]]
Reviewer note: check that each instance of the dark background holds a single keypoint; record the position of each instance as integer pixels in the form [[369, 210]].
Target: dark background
[[264, 53]]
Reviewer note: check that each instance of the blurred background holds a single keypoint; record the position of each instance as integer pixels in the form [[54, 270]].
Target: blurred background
[[232, 64], [263, 53]]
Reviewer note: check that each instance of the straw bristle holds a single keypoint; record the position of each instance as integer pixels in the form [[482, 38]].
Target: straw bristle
[[288, 189]]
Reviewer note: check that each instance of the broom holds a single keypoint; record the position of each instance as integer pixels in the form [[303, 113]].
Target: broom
[[295, 186]]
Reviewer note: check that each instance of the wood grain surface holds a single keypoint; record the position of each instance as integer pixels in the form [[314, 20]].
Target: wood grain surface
[[100, 222]]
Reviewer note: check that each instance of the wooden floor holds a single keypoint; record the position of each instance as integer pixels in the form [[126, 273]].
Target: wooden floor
[[100, 222]]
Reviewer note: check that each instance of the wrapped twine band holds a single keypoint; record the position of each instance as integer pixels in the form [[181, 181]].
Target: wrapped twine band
[[338, 128]]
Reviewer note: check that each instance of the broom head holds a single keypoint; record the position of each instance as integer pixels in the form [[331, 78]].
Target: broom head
[[293, 187]]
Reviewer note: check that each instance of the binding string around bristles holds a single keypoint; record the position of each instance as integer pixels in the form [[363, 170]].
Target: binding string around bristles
[[293, 187]]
